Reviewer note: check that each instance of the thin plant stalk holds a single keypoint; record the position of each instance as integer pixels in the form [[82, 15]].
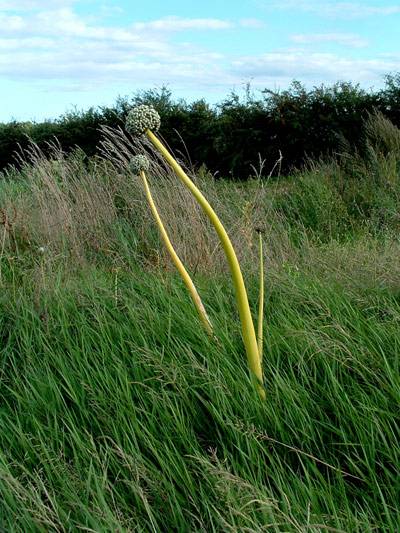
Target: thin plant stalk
[[249, 335], [261, 303], [178, 263], [2, 252]]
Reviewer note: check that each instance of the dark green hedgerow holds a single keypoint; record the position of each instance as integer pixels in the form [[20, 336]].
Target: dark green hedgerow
[[230, 137]]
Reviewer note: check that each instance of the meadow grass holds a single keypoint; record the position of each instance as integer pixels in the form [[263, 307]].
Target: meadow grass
[[120, 413]]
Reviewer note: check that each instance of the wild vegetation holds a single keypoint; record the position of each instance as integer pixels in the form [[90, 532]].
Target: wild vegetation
[[228, 138], [120, 413]]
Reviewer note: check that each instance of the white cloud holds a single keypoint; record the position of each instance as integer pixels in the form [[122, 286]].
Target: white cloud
[[174, 24], [71, 88], [392, 55], [32, 5], [337, 9], [64, 22], [58, 44], [96, 63], [252, 23], [111, 10], [11, 23], [59, 49], [31, 43], [347, 39], [313, 68]]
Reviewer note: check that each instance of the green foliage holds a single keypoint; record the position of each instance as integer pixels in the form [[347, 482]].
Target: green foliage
[[370, 180], [231, 137], [312, 121], [315, 203], [119, 413], [13, 139], [361, 186], [82, 129], [243, 133]]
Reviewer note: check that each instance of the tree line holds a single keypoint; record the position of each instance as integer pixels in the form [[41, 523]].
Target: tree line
[[230, 138]]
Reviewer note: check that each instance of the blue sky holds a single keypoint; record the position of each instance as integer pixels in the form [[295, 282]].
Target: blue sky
[[57, 54]]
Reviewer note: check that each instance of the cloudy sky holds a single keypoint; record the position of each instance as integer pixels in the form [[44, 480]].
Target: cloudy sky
[[57, 54]]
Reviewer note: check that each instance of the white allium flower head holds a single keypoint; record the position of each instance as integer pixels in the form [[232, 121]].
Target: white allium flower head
[[139, 163], [140, 119]]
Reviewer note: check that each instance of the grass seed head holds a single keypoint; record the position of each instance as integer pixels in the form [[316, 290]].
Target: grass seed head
[[139, 163], [140, 119]]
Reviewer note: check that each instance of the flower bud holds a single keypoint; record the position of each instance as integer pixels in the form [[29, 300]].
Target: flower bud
[[139, 163], [260, 228], [140, 119]]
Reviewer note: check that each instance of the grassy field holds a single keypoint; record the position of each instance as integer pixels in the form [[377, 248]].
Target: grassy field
[[118, 412]]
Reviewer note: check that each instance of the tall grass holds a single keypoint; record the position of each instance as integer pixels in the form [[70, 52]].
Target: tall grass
[[118, 411]]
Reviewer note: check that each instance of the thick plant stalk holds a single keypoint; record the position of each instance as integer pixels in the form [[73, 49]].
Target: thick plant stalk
[[261, 303], [249, 336], [178, 263]]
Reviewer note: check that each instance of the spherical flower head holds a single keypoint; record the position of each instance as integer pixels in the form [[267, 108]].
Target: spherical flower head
[[142, 118], [139, 163]]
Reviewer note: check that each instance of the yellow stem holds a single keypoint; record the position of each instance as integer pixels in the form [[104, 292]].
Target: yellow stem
[[187, 279], [249, 336], [261, 304]]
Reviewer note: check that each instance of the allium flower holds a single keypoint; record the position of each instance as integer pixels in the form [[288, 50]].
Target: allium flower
[[140, 119], [139, 163]]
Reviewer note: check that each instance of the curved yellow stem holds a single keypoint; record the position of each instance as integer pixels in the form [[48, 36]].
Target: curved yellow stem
[[187, 279], [261, 303], [249, 336]]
